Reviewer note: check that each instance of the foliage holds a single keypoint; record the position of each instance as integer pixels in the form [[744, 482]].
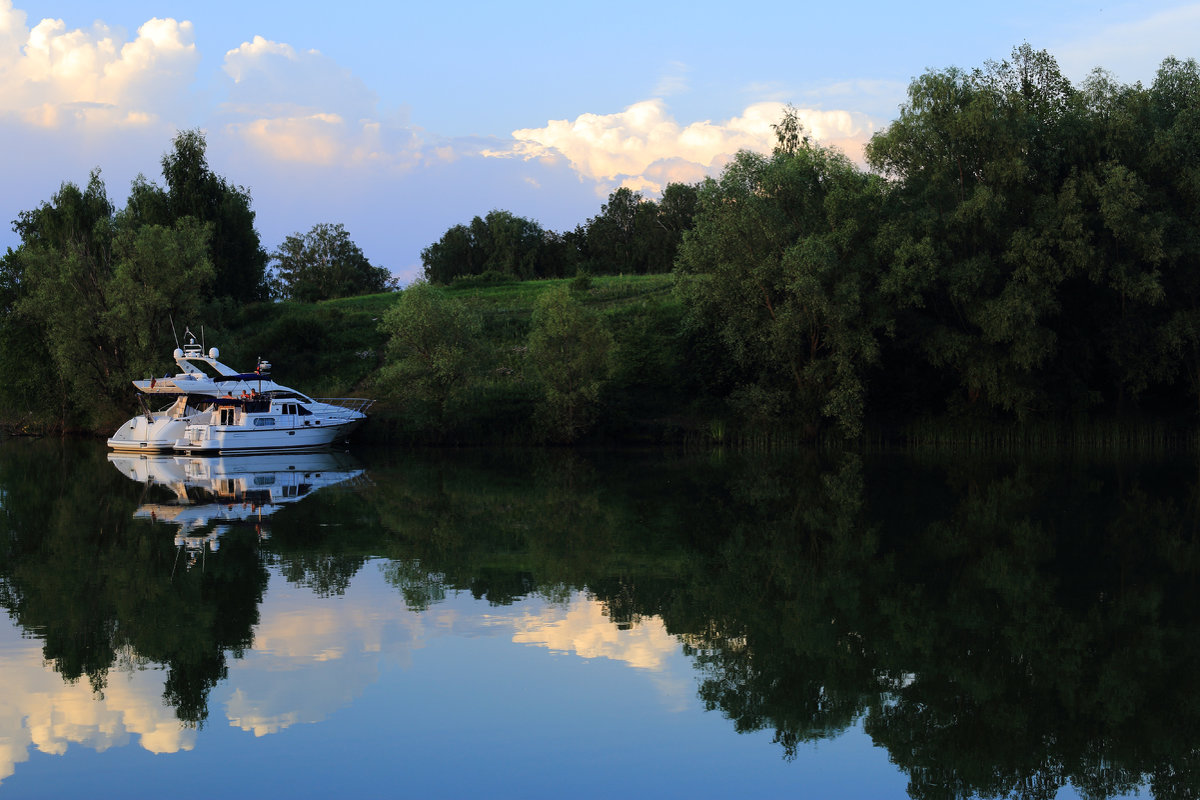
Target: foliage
[[324, 264], [571, 351], [1033, 242], [433, 347], [193, 190], [778, 270], [630, 235], [99, 290], [500, 242]]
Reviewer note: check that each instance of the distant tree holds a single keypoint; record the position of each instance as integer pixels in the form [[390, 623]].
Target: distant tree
[[499, 242], [323, 264], [634, 235], [193, 190], [452, 256]]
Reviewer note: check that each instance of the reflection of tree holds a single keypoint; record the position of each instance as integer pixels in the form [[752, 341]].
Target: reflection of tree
[[101, 589], [1037, 629], [1001, 628]]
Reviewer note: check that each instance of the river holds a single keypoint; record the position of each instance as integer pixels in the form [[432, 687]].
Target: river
[[556, 623]]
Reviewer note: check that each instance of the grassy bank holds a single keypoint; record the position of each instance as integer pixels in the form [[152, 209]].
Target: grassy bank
[[337, 348]]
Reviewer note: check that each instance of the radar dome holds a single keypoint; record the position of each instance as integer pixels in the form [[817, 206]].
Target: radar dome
[[213, 353], [178, 353]]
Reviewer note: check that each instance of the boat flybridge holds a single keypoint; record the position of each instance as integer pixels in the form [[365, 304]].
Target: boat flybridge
[[215, 409]]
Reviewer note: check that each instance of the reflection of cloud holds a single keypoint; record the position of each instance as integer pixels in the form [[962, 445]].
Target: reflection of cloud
[[311, 657], [52, 77], [38, 709], [586, 630], [642, 147]]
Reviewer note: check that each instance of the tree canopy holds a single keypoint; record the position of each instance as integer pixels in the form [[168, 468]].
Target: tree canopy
[[194, 190], [323, 264], [631, 235]]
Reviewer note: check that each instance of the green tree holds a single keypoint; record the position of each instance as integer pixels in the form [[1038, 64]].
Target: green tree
[[500, 242], [778, 270], [571, 350], [450, 257], [98, 290], [323, 264], [433, 349], [194, 190], [1031, 245]]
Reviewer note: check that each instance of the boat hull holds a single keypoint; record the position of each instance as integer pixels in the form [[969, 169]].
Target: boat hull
[[157, 434], [210, 439]]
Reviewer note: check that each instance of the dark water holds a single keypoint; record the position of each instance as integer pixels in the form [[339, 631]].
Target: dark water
[[557, 624]]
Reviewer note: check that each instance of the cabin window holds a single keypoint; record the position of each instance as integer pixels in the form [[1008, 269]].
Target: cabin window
[[261, 421]]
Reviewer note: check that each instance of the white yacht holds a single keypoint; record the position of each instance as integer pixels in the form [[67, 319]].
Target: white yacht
[[215, 409]]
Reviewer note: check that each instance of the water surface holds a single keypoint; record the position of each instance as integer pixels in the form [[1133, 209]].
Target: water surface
[[549, 624]]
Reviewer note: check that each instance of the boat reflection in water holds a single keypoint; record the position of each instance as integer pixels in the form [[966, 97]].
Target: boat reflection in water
[[204, 496]]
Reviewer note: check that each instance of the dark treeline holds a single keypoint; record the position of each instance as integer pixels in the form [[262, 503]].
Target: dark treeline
[[1024, 249], [632, 235]]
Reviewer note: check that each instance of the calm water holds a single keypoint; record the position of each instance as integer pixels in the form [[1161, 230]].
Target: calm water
[[551, 624]]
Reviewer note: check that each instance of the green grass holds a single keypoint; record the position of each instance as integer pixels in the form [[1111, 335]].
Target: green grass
[[335, 348]]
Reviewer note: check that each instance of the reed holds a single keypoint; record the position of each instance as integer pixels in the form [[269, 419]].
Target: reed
[[1094, 436]]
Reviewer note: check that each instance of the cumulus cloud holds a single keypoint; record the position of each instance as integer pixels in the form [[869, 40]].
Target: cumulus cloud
[[644, 148], [274, 75], [51, 77], [303, 107]]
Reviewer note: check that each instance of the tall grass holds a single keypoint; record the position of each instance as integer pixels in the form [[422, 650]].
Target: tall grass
[[1093, 436]]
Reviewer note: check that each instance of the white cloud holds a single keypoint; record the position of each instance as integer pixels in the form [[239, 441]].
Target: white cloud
[[302, 107], [51, 77], [274, 75], [644, 148]]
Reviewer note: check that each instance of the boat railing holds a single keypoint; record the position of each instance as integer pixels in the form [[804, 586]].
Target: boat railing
[[350, 404]]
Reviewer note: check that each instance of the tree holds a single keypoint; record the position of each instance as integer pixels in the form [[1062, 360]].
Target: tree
[[433, 348], [500, 242], [97, 289], [571, 350], [1029, 238], [193, 190], [778, 270], [323, 264]]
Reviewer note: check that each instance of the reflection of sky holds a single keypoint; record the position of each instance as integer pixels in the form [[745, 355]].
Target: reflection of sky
[[313, 656], [356, 694], [39, 710]]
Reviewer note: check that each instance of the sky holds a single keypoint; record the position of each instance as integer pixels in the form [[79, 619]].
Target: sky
[[401, 120]]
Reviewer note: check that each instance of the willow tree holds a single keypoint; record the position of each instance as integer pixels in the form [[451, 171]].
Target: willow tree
[[778, 270], [1027, 235]]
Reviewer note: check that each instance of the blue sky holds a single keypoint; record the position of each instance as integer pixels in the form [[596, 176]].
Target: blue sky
[[401, 120]]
